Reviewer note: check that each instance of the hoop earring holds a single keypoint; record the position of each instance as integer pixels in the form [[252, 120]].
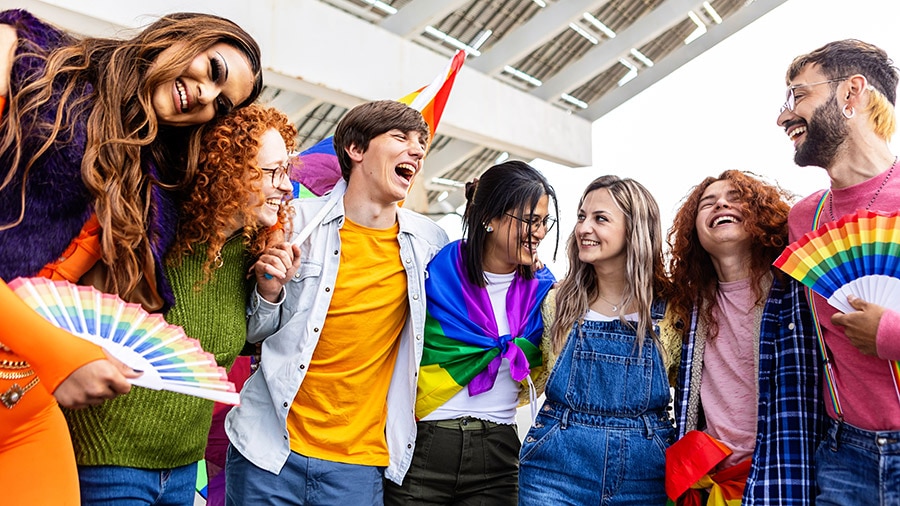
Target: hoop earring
[[488, 228], [848, 111]]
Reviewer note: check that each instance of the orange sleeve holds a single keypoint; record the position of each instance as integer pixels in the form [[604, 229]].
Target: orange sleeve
[[52, 352]]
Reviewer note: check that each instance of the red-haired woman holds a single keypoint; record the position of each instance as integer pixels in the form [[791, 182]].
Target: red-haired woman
[[749, 372], [234, 209]]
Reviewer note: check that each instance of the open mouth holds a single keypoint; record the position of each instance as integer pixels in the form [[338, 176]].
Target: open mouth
[[406, 171], [530, 246], [184, 103], [796, 132], [723, 220], [588, 243]]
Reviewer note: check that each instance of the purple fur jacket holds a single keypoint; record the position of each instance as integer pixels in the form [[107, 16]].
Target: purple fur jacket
[[57, 204]]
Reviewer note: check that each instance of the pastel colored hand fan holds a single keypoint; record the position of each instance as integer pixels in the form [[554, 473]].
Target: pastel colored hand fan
[[143, 341], [858, 254]]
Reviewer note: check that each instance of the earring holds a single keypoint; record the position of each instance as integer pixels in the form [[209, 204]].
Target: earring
[[848, 111], [488, 228]]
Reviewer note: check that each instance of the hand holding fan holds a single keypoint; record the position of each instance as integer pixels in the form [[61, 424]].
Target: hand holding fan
[[859, 254], [143, 341]]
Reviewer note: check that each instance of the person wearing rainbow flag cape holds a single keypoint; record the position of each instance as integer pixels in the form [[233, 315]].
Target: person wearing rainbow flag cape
[[746, 397], [340, 313], [839, 114], [485, 330]]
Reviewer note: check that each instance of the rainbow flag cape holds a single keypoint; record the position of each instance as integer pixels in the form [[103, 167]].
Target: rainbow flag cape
[[689, 465], [462, 345], [320, 169]]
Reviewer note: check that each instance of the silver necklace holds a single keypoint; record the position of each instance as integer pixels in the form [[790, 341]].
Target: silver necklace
[[872, 201], [615, 307]]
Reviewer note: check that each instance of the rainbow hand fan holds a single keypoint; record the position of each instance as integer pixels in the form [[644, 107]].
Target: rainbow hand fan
[[858, 254], [143, 341]]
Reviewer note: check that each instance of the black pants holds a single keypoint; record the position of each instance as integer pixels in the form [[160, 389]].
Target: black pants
[[462, 462]]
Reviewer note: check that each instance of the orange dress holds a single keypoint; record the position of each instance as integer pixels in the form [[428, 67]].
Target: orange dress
[[37, 464]]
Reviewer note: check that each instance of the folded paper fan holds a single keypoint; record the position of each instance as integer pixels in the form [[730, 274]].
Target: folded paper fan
[[858, 254], [143, 341]]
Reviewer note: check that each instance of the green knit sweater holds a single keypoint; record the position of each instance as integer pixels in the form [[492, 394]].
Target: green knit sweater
[[158, 429]]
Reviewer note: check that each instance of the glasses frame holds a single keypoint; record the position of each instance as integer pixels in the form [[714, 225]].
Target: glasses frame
[[548, 222], [284, 170], [790, 102]]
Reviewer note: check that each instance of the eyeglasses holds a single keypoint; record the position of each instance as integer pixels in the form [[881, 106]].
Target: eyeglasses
[[790, 101], [281, 173], [536, 221]]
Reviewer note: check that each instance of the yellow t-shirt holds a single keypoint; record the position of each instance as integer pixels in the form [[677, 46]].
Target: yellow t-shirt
[[340, 411]]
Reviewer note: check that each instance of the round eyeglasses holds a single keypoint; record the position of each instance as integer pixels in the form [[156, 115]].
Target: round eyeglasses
[[536, 221], [281, 173]]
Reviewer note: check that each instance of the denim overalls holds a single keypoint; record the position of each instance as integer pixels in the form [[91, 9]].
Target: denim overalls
[[601, 436]]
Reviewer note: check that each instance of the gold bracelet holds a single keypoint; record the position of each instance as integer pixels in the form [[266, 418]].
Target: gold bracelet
[[16, 374], [14, 394]]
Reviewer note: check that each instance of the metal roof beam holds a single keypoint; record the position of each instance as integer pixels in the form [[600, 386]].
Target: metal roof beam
[[534, 33], [601, 57], [412, 19], [294, 105], [646, 78]]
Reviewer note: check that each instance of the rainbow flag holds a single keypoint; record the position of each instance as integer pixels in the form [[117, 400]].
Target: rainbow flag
[[463, 347], [689, 468], [320, 170]]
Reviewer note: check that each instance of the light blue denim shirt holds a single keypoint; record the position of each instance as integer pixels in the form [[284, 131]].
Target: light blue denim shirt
[[291, 328]]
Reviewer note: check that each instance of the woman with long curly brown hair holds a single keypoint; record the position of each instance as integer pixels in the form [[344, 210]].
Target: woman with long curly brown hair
[[748, 370], [236, 207], [99, 140]]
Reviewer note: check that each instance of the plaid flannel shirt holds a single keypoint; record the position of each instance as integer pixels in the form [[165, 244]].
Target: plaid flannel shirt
[[791, 414]]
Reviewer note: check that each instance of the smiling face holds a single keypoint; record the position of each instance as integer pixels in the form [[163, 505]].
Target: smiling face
[[510, 244], [386, 169], [720, 220], [213, 83], [272, 155], [815, 126], [601, 231]]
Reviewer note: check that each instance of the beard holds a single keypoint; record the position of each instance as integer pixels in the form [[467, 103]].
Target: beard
[[825, 133]]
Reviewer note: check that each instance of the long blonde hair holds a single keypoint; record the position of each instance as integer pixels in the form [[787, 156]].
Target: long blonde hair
[[645, 277]]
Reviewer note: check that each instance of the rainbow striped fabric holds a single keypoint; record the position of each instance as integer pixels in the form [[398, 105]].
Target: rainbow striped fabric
[[320, 169], [462, 345]]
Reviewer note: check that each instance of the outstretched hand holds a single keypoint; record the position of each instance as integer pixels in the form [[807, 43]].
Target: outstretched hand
[[860, 326], [95, 382]]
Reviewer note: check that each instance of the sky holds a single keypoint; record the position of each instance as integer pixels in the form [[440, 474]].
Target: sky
[[717, 112]]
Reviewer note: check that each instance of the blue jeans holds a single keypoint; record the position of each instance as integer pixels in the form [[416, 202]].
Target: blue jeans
[[303, 481], [856, 466], [129, 486]]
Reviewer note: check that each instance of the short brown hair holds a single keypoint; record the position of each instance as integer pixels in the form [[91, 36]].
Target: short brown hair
[[367, 121], [850, 56]]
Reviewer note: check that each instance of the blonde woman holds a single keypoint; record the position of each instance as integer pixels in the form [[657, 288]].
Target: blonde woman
[[604, 428]]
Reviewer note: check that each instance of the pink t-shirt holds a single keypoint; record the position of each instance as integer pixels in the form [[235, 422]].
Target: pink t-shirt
[[728, 388], [864, 382]]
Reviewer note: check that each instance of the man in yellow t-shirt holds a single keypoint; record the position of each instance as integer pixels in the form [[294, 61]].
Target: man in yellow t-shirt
[[341, 318]]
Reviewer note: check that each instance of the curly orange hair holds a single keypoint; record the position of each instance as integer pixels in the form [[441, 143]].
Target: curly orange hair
[[694, 279], [227, 176]]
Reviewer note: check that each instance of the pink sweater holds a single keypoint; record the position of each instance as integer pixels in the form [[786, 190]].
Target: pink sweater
[[864, 382]]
